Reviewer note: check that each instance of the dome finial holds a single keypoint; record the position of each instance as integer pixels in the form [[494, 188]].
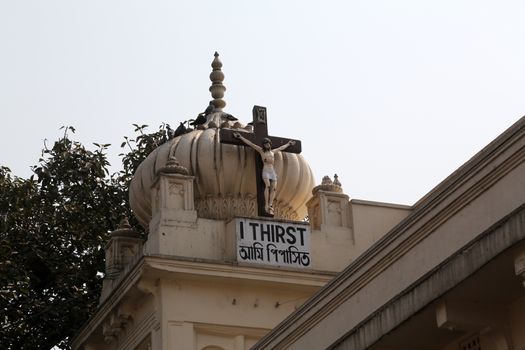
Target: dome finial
[[216, 88]]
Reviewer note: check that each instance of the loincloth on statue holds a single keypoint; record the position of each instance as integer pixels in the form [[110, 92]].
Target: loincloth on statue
[[269, 174]]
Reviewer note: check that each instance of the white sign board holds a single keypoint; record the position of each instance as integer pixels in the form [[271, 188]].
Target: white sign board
[[272, 242]]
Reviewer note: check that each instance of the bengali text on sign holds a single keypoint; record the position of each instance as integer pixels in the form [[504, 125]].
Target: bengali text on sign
[[273, 242]]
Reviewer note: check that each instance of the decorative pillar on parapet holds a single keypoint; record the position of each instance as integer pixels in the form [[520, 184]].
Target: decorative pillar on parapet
[[173, 201], [329, 206], [123, 250]]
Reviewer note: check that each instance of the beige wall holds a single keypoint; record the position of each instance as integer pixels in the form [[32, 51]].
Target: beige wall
[[372, 220], [223, 313]]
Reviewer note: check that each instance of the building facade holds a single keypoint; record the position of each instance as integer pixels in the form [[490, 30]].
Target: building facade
[[213, 273], [325, 271]]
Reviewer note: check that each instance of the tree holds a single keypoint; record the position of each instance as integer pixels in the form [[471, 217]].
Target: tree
[[53, 227]]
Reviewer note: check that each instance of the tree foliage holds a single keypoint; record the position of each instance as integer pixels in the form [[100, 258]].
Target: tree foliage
[[53, 228]]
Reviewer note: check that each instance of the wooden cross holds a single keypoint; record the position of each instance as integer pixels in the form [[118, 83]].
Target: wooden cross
[[260, 131]]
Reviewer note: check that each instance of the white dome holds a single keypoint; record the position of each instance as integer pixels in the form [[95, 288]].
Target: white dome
[[224, 176]]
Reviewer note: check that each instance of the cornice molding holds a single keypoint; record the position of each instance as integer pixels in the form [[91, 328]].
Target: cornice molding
[[230, 330], [206, 268], [197, 268], [380, 204]]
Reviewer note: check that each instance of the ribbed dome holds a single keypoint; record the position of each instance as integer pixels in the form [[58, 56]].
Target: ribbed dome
[[224, 184], [224, 176]]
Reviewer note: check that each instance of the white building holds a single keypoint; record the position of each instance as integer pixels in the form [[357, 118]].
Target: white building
[[212, 274]]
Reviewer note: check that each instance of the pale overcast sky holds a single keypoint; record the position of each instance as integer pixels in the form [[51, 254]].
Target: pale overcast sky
[[391, 95]]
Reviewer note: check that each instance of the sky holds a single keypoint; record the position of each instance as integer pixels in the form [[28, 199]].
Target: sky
[[393, 96]]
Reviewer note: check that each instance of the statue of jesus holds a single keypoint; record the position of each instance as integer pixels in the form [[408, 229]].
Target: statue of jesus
[[269, 175]]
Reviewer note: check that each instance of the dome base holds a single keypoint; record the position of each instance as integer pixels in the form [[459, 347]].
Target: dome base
[[229, 206]]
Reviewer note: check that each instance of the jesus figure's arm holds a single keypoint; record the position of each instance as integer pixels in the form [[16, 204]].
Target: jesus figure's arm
[[285, 146], [249, 143]]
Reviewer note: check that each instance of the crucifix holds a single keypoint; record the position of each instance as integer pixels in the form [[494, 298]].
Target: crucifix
[[260, 141]]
